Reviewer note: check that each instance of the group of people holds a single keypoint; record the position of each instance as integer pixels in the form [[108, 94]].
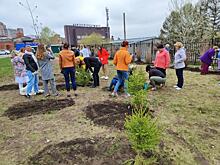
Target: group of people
[[27, 67]]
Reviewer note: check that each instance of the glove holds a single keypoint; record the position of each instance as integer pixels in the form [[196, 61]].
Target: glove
[[35, 73]]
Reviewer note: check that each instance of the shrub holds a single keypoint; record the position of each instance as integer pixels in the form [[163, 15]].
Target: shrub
[[82, 77], [143, 134], [139, 100], [136, 81]]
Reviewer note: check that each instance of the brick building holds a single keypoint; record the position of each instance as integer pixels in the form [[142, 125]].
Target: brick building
[[75, 33]]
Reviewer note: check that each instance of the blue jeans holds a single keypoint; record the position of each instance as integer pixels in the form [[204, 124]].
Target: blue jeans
[[32, 82], [69, 73], [122, 77]]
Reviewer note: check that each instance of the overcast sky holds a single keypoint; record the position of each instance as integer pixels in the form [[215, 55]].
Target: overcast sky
[[144, 18]]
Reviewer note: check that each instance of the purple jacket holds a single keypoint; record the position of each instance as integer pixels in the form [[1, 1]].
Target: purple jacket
[[207, 57]]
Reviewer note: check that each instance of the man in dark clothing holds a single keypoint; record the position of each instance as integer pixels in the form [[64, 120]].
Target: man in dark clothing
[[156, 77], [96, 64]]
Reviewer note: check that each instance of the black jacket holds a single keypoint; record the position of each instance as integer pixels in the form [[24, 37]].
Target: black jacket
[[156, 72], [92, 62], [30, 63]]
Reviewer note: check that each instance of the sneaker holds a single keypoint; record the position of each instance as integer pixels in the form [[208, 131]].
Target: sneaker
[[127, 95], [28, 96], [175, 86], [154, 89], [178, 88], [106, 77], [68, 95], [47, 95], [103, 77], [93, 86], [114, 94]]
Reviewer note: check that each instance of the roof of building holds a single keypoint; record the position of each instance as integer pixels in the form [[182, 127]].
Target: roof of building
[[134, 40]]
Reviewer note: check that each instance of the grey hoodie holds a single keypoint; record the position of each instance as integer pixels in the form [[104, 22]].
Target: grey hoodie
[[180, 57]]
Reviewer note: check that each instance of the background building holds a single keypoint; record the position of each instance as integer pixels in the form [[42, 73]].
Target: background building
[[75, 33], [3, 30]]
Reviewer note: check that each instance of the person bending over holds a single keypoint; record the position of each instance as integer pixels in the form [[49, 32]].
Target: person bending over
[[93, 62], [156, 77]]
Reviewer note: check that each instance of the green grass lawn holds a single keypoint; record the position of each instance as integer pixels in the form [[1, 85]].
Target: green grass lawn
[[6, 69]]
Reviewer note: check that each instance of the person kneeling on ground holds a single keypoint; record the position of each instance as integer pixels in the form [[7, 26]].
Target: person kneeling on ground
[[93, 62], [115, 79], [156, 77]]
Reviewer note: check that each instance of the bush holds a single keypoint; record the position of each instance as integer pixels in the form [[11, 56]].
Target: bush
[[139, 100], [82, 77], [143, 134], [136, 81]]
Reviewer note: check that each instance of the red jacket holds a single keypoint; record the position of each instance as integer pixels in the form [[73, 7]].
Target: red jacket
[[162, 59], [103, 57]]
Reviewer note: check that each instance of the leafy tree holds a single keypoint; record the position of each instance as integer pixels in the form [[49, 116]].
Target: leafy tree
[[47, 36], [192, 23], [93, 39]]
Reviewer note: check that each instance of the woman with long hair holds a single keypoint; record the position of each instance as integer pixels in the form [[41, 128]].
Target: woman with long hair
[[46, 68], [103, 57]]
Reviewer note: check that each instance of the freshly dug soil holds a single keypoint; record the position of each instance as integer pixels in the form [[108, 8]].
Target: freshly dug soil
[[111, 114], [11, 87], [26, 109], [89, 152]]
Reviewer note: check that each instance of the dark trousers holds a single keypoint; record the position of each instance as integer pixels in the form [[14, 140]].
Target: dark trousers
[[179, 74], [69, 73], [162, 70], [96, 75]]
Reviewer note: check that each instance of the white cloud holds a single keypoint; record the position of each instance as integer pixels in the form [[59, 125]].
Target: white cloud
[[143, 17]]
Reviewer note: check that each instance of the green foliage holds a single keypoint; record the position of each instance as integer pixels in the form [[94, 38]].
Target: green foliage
[[82, 77], [139, 100], [47, 36], [143, 133], [136, 81], [6, 69], [93, 39]]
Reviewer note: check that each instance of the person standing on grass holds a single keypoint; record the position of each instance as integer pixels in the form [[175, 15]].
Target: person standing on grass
[[32, 71], [206, 60], [121, 60], [218, 57], [103, 57], [96, 64], [179, 64], [19, 70], [44, 61], [67, 67], [162, 60]]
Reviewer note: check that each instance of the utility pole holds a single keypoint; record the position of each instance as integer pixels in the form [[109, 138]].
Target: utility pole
[[124, 23], [107, 22], [32, 16]]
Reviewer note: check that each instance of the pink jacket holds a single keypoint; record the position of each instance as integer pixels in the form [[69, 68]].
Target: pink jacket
[[162, 59]]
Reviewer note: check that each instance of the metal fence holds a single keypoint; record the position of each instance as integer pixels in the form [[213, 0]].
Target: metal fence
[[145, 50]]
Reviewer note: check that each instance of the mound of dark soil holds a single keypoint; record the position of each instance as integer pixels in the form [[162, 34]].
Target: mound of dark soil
[[37, 107], [111, 114], [89, 152], [9, 87]]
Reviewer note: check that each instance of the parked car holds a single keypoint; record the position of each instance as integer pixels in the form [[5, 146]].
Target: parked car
[[4, 52]]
